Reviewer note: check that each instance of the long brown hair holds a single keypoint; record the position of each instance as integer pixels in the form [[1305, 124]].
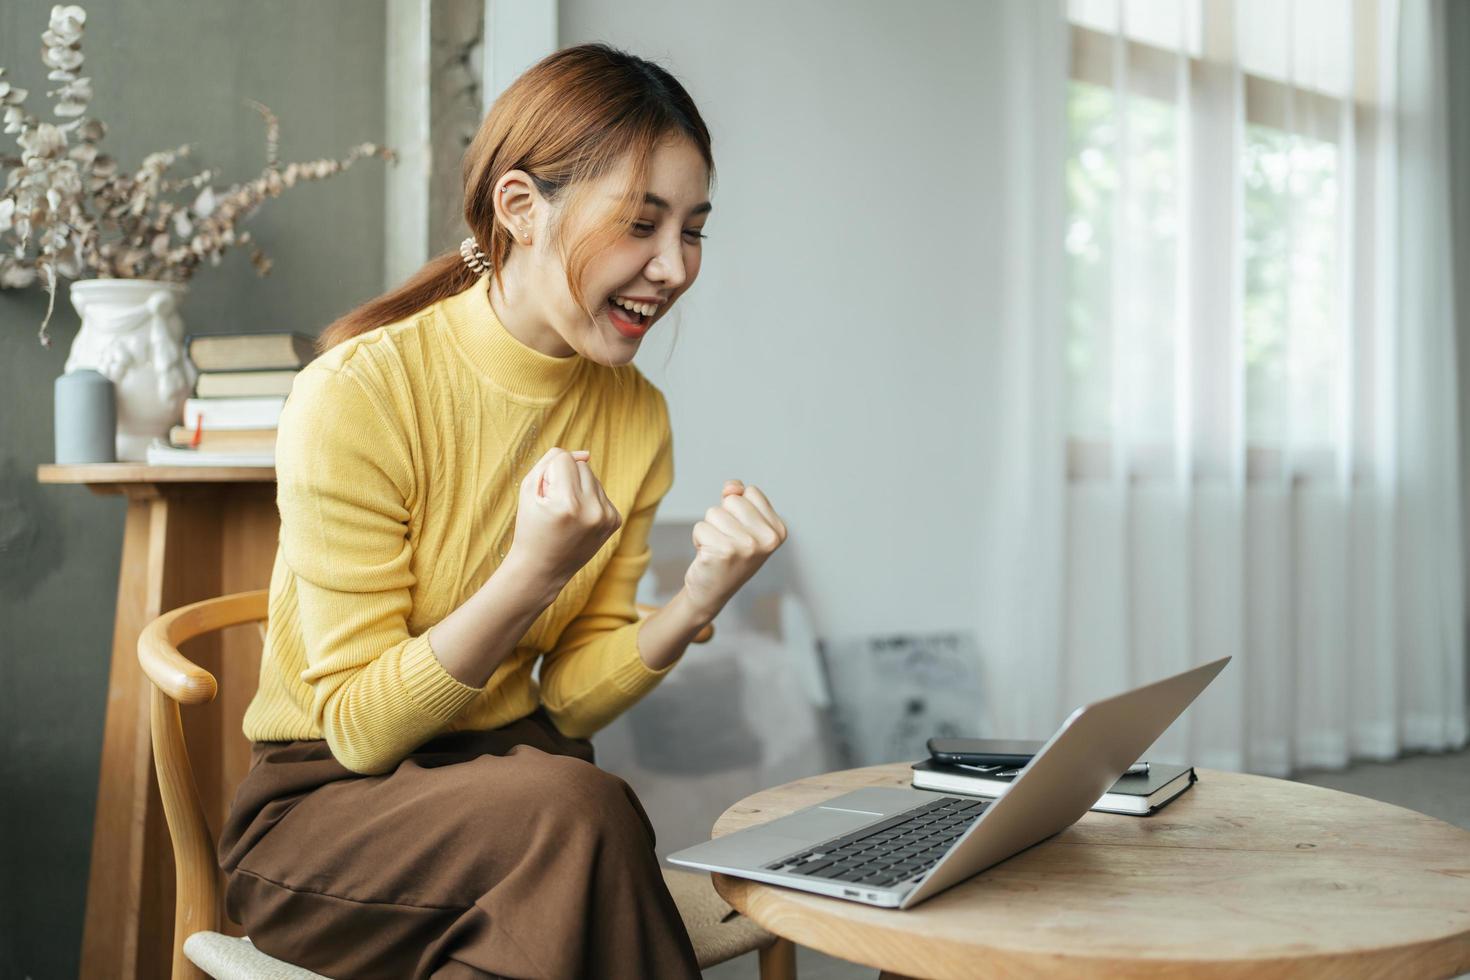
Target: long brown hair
[[569, 119]]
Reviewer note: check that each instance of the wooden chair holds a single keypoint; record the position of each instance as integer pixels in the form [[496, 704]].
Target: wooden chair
[[199, 948]]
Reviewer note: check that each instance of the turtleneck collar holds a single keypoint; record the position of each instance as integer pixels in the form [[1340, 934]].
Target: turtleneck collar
[[496, 353]]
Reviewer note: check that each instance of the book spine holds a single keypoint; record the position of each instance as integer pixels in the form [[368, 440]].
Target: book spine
[[199, 412], [225, 440]]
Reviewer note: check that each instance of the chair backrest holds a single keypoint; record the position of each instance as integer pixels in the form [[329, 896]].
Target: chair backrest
[[178, 680]]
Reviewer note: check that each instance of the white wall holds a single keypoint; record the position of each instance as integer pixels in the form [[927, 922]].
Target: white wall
[[833, 351], [1457, 24]]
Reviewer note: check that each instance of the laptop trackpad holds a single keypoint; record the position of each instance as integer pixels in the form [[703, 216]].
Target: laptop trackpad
[[821, 823]]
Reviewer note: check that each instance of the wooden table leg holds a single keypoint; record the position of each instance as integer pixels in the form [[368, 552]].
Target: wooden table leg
[[778, 961], [114, 903], [172, 555]]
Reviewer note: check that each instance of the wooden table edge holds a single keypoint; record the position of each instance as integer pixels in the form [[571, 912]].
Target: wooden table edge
[[932, 959], [141, 473]]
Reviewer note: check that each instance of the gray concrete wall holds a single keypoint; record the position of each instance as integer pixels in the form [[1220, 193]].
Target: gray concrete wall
[[165, 73]]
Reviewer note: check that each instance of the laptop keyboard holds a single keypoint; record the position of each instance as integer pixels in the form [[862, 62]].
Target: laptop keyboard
[[890, 851]]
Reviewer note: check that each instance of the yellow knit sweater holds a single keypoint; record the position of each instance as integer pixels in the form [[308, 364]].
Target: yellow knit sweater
[[399, 461]]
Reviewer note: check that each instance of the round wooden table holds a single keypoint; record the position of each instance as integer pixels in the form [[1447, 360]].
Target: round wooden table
[[1242, 876]]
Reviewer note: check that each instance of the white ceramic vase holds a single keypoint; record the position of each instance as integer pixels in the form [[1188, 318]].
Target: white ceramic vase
[[132, 334]]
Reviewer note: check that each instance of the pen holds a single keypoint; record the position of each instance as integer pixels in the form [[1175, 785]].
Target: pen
[[1137, 769]]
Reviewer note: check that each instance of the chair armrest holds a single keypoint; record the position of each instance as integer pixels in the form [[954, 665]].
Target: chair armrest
[[158, 647]]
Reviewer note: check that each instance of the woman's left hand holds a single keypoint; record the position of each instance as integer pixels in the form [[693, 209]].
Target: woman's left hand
[[730, 545]]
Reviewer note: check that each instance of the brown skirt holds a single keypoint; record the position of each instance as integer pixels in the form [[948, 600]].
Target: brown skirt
[[503, 853]]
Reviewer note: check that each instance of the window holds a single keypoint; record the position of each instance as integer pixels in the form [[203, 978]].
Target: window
[[1212, 186]]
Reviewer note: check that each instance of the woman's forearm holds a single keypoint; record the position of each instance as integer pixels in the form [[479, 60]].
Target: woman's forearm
[[665, 634], [474, 639]]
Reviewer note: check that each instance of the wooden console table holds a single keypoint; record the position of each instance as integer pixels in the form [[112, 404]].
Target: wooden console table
[[191, 533], [1242, 877]]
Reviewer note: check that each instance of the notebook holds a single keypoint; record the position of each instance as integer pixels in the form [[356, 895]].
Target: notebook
[[1138, 795]]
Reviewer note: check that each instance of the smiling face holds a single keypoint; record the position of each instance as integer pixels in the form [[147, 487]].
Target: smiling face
[[653, 262]]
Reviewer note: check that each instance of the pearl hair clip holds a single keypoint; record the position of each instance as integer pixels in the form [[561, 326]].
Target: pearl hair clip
[[470, 251]]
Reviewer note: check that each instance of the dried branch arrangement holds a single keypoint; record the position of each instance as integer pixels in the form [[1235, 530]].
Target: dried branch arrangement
[[67, 211]]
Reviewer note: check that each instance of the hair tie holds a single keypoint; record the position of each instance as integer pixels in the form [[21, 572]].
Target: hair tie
[[469, 250]]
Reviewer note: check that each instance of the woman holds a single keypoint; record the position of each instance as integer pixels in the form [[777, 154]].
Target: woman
[[418, 805]]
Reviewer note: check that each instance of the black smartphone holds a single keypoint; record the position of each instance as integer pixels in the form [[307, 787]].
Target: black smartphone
[[982, 751]]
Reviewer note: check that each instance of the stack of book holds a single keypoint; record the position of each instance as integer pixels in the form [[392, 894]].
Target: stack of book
[[1138, 794], [243, 383]]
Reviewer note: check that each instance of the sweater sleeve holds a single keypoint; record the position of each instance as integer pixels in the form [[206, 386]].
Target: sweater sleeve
[[594, 672], [344, 481]]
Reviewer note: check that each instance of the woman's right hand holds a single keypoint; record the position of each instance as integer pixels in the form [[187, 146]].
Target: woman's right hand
[[563, 517]]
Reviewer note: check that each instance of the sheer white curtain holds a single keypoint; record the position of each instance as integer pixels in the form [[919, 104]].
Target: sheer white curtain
[[1234, 429]]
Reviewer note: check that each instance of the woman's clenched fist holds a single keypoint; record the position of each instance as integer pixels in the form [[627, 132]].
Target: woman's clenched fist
[[563, 517], [730, 545]]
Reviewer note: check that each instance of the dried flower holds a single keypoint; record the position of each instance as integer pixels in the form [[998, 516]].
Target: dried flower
[[67, 211]]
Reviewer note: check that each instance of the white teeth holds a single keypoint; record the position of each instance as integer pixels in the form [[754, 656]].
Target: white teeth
[[647, 309]]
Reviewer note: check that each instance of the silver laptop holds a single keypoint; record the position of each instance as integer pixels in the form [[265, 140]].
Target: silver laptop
[[896, 847]]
